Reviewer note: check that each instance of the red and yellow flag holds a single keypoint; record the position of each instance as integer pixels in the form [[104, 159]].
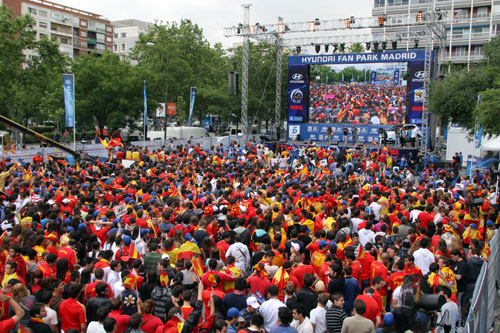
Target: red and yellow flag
[[280, 278], [486, 251], [361, 253], [104, 143], [164, 278], [133, 251], [197, 266], [304, 170], [131, 281], [348, 241], [317, 259], [188, 250]]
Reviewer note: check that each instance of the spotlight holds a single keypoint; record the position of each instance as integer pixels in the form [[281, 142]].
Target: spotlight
[[416, 44], [368, 46], [326, 48], [352, 20], [420, 17], [342, 47], [394, 44], [335, 46], [298, 49], [347, 23], [317, 47], [384, 45], [375, 46], [316, 21], [381, 21]]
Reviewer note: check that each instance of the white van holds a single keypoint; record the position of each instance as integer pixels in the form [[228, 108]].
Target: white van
[[180, 132]]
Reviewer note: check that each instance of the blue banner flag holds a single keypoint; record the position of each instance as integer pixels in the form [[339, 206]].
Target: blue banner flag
[[373, 77], [191, 104], [479, 137], [396, 76], [69, 99], [145, 106]]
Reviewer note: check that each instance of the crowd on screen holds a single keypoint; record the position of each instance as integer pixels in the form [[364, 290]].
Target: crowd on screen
[[358, 103], [240, 239]]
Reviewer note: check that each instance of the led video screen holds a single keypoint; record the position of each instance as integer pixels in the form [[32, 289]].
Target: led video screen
[[369, 93]]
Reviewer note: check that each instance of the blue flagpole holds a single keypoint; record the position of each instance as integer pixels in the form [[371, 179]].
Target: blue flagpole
[[145, 116]]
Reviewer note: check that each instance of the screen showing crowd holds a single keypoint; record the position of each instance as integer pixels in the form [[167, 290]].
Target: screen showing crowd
[[373, 93]]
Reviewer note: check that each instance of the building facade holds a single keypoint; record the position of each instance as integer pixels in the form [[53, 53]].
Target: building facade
[[77, 31], [470, 24], [127, 34]]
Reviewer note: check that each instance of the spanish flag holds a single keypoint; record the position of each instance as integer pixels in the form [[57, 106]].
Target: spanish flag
[[317, 259], [164, 278], [361, 253], [115, 142], [486, 251], [188, 250], [304, 170], [197, 266], [133, 251], [280, 279], [104, 143], [131, 281], [348, 241]]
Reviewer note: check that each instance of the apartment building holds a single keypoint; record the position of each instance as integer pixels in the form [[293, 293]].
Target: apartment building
[[470, 24], [127, 34], [77, 31]]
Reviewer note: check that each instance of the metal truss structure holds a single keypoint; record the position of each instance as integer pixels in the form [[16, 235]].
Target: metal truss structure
[[428, 27]]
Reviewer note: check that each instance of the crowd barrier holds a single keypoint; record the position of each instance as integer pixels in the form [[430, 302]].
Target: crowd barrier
[[481, 313]]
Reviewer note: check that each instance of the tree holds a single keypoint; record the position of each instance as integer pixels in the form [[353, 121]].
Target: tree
[[109, 91], [356, 48], [16, 35], [176, 56], [39, 96], [455, 98]]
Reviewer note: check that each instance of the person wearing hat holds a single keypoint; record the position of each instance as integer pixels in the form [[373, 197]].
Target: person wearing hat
[[235, 320], [251, 310]]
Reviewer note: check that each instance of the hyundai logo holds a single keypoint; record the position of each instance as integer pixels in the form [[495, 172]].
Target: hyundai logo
[[297, 76], [420, 74]]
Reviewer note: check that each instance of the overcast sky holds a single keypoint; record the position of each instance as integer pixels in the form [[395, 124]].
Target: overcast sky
[[214, 15]]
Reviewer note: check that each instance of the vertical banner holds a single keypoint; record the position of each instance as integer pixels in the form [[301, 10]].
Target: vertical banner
[[69, 99], [478, 137], [396, 76], [145, 107], [298, 78], [191, 104], [373, 77], [342, 77], [416, 91]]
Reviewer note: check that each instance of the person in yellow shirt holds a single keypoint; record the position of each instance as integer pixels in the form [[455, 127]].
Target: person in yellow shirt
[[10, 273], [4, 175]]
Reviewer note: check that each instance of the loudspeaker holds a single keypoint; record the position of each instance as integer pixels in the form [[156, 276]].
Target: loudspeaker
[[431, 302], [335, 142]]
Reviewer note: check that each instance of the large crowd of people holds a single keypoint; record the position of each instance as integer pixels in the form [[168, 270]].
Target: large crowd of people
[[240, 239], [358, 103]]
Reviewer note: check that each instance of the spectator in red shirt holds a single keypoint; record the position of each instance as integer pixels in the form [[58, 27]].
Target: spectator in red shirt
[[372, 308], [71, 312], [116, 313], [149, 322]]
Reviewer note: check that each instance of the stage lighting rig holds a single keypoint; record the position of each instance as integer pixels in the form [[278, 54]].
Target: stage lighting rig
[[420, 17], [375, 46], [326, 48], [317, 48], [394, 44], [298, 49], [416, 44], [384, 45], [381, 21], [335, 47], [368, 46], [342, 47]]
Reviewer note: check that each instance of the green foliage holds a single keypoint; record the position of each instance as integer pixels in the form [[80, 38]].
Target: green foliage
[[16, 35], [109, 91], [356, 48], [324, 71], [455, 97]]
